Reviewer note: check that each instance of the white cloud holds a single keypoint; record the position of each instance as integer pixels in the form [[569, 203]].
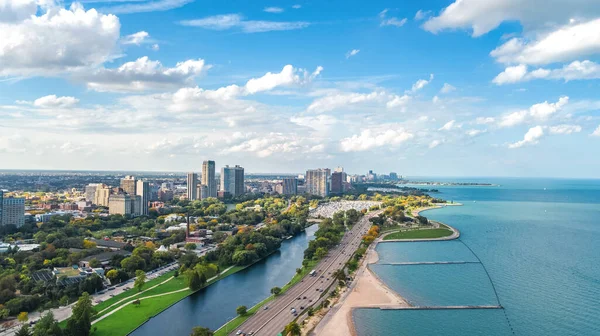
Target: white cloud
[[297, 6], [352, 53], [450, 125], [136, 38], [334, 101], [540, 112], [421, 14], [563, 44], [57, 41], [146, 6], [272, 143], [229, 21], [484, 16], [273, 9], [421, 83], [372, 138], [52, 101], [564, 129], [484, 120], [596, 132], [288, 76], [15, 10], [574, 71], [447, 88], [144, 74], [398, 101], [320, 122], [390, 21], [155, 47], [434, 143], [475, 132], [532, 137]]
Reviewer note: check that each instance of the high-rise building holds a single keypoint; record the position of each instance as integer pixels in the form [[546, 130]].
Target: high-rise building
[[90, 191], [102, 195], [128, 184], [192, 184], [393, 176], [318, 181], [339, 169], [124, 204], [13, 210], [232, 180], [208, 177], [338, 179], [1, 202], [203, 191], [290, 186], [143, 190]]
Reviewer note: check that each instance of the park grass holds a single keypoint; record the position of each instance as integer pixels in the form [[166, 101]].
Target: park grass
[[419, 234], [238, 320], [130, 317]]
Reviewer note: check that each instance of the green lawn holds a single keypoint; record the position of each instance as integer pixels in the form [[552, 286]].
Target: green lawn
[[130, 317], [419, 234]]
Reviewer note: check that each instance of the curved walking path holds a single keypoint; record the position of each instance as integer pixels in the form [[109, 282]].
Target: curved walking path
[[151, 296], [455, 235]]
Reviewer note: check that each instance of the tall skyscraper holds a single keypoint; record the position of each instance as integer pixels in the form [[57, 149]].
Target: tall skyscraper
[[318, 181], [102, 195], [208, 178], [232, 180], [90, 191], [13, 211], [143, 190], [1, 202], [128, 184], [337, 182], [192, 184], [290, 186], [202, 191]]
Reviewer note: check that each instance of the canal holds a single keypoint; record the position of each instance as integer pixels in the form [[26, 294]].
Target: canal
[[213, 306]]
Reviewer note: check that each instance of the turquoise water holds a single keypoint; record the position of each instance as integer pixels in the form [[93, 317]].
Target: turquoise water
[[456, 322], [439, 285], [540, 242], [450, 250]]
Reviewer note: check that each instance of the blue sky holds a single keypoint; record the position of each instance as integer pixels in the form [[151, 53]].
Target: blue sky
[[466, 88]]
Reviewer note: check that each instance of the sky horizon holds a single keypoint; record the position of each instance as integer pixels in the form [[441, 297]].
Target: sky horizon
[[434, 88]]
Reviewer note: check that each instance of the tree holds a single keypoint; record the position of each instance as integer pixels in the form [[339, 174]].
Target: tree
[[292, 329], [339, 274], [275, 291], [47, 326], [64, 301], [321, 252], [112, 275], [80, 322], [201, 331], [133, 263], [140, 280], [190, 246], [241, 310], [95, 263], [23, 317], [193, 280], [24, 331]]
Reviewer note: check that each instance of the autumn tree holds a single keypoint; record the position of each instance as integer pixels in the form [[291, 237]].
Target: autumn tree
[[23, 317]]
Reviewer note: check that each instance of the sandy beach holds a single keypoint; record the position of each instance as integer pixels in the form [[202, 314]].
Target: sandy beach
[[367, 291]]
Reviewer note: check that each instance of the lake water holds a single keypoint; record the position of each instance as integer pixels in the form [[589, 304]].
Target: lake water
[[540, 242], [215, 305]]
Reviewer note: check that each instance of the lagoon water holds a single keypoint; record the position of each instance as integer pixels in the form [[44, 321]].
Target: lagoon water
[[540, 242], [213, 306]]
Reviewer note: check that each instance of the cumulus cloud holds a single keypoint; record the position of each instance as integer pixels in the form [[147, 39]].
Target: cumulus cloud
[[484, 16], [288, 76], [372, 138], [337, 100], [573, 71], [273, 9], [230, 21], [434, 143], [564, 129], [144, 74], [421, 83], [475, 132], [273, 143], [15, 11], [484, 120], [563, 44], [390, 21], [596, 132], [447, 88], [421, 14], [136, 38], [396, 101], [539, 112], [52, 101], [352, 53], [57, 41], [320, 122], [532, 137]]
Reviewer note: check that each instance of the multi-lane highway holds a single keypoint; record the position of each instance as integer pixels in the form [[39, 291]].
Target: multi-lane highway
[[272, 319]]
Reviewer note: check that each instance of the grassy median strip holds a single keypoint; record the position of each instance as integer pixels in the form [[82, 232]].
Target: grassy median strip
[[419, 234]]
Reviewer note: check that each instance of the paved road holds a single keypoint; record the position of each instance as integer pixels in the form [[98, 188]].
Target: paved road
[[273, 320]]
